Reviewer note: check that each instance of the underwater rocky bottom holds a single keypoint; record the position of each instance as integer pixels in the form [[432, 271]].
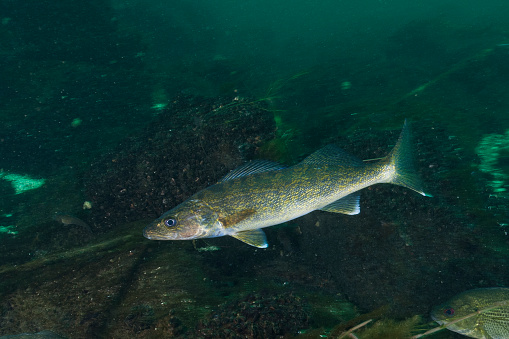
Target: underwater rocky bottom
[[123, 285], [322, 273]]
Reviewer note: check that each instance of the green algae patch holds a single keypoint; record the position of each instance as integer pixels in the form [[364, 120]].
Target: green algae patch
[[21, 183], [493, 150], [329, 310], [8, 230]]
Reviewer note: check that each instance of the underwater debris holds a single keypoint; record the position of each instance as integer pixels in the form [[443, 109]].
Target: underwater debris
[[382, 328], [389, 328], [95, 251], [208, 249], [350, 334]]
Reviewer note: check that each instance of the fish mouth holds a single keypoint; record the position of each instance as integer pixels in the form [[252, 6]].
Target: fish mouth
[[152, 232], [438, 320]]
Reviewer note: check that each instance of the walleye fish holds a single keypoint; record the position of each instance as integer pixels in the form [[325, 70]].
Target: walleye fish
[[264, 193], [480, 313]]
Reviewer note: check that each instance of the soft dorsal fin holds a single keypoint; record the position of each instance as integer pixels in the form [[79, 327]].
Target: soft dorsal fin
[[233, 219], [346, 205], [255, 166], [254, 238], [332, 155]]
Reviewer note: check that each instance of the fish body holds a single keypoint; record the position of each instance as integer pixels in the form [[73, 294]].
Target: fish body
[[263, 193], [486, 313]]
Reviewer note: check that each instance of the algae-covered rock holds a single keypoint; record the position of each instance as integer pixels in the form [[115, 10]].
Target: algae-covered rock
[[189, 146], [119, 286], [260, 315], [38, 335]]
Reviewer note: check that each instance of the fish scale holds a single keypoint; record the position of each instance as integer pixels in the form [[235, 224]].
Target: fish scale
[[285, 195]]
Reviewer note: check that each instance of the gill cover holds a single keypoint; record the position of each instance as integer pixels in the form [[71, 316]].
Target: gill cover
[[190, 220]]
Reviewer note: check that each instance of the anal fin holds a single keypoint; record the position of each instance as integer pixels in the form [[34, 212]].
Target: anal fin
[[347, 205], [254, 238]]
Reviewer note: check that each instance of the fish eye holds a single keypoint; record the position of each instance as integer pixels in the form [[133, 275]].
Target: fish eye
[[170, 222], [449, 312]]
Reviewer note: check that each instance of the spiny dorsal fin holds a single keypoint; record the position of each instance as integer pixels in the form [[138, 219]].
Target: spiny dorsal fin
[[254, 238], [255, 166], [346, 205], [332, 155], [233, 219]]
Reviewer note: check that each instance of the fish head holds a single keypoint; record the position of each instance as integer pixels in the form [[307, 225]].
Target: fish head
[[448, 314], [192, 219], [443, 314]]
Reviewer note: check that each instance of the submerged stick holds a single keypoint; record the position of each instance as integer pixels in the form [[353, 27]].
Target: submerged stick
[[349, 332]]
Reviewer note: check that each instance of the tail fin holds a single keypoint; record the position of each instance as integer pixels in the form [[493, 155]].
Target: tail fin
[[400, 158]]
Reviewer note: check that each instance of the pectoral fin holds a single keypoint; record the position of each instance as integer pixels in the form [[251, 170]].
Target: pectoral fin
[[254, 238]]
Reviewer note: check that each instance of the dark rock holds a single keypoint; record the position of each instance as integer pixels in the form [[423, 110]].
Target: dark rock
[[261, 315], [189, 146]]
